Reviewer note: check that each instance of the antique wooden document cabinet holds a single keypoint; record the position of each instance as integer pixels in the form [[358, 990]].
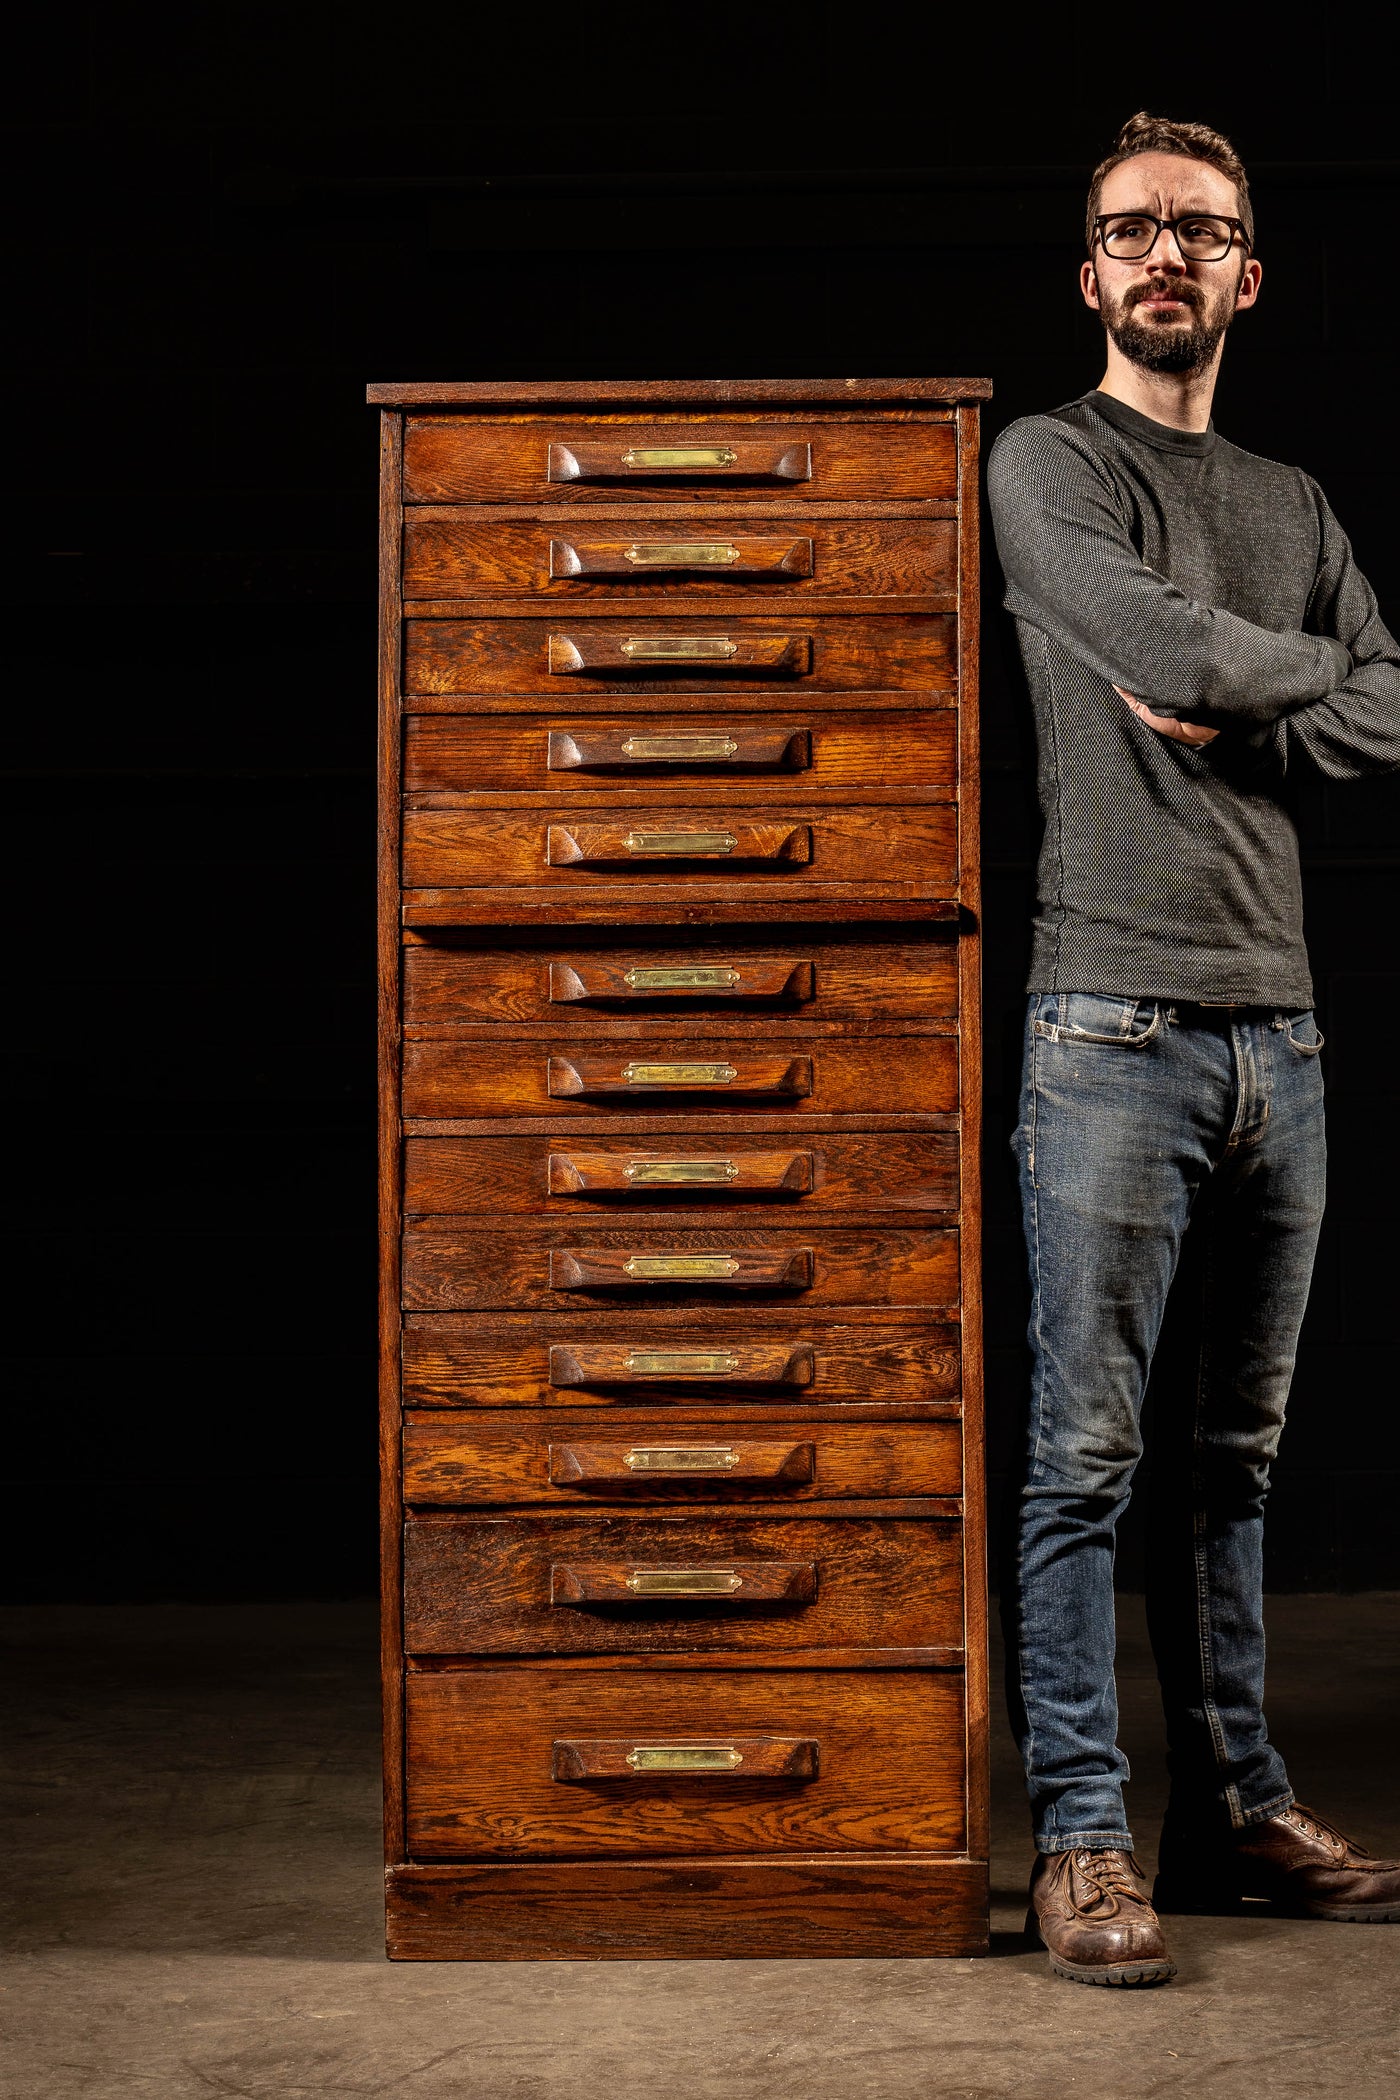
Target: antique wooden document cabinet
[[684, 1607]]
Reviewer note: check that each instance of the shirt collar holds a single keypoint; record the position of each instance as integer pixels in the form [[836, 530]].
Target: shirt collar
[[1196, 443]]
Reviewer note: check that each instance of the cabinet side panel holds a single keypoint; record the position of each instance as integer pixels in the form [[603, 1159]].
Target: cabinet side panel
[[970, 1025], [390, 804]]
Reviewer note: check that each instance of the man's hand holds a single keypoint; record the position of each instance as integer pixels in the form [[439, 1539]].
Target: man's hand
[[1193, 733]]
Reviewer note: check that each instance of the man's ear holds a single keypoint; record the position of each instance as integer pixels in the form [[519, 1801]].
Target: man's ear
[[1248, 292], [1089, 284]]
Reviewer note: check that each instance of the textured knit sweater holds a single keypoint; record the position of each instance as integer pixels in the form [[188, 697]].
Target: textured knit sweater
[[1218, 588]]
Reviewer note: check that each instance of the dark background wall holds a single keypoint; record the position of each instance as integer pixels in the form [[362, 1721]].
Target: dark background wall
[[222, 225]]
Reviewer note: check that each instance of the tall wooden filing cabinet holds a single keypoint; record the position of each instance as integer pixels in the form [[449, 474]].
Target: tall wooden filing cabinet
[[684, 1622]]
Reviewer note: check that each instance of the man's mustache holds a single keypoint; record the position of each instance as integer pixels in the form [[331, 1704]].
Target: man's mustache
[[1189, 294]]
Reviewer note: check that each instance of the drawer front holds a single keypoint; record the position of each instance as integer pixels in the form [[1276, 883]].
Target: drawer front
[[448, 1268], [688, 1360], [876, 1170], [792, 1075], [740, 459], [446, 986], [601, 1582], [746, 653], [713, 756], [464, 848], [889, 1762], [448, 556], [728, 1457]]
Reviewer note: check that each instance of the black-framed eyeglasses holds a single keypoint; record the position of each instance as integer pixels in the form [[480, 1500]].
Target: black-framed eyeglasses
[[1202, 236]]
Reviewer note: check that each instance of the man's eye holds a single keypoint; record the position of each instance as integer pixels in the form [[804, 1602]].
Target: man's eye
[[1128, 229]]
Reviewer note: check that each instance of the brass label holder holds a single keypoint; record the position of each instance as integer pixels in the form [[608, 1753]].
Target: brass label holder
[[681, 1458], [669, 1172]]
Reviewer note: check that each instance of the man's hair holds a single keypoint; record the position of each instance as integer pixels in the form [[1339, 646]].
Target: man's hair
[[1148, 134]]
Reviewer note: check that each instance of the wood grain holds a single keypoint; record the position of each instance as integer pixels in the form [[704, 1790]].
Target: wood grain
[[888, 653], [452, 1268], [451, 458], [889, 1907], [448, 985], [915, 1074], [492, 1460], [895, 1170], [481, 395], [449, 556], [868, 756], [481, 1778], [861, 1360]]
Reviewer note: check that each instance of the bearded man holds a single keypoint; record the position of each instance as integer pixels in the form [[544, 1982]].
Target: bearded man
[[1195, 633]]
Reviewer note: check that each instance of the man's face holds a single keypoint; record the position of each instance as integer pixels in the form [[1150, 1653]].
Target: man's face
[[1167, 313]]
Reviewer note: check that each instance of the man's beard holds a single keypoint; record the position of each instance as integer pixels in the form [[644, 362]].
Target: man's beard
[[1165, 345]]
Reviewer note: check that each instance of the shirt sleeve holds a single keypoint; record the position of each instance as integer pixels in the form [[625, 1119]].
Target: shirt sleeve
[[1355, 729], [1072, 570]]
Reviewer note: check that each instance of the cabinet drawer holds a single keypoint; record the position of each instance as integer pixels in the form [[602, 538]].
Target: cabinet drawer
[[791, 1075], [449, 1268], [449, 983], [712, 756], [889, 1770], [745, 460], [689, 654], [466, 848], [689, 1359], [448, 556], [726, 1457], [875, 1170], [603, 1582]]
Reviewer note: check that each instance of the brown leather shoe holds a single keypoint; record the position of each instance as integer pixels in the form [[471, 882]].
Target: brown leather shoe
[[1090, 1909], [1296, 1861]]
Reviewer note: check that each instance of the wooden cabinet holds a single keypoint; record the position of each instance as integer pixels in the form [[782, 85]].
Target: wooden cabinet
[[683, 1526]]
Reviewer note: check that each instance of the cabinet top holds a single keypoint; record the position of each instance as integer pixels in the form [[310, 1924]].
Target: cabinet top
[[645, 393]]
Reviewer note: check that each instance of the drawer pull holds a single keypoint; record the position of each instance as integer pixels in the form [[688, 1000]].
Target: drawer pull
[[681, 554], [672, 457], [678, 747], [739, 461], [682, 1267], [718, 979], [787, 1076], [668, 1172], [761, 746], [752, 1756], [681, 1458], [742, 1582], [604, 651], [779, 978], [679, 648], [614, 1363], [614, 1268], [607, 1465], [679, 1075], [692, 845]]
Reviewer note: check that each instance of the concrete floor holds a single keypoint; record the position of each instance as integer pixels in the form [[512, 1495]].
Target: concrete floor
[[193, 1904]]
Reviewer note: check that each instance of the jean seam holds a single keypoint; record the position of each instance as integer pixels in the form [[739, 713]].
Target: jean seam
[[1200, 1540], [1037, 1399], [1093, 1840]]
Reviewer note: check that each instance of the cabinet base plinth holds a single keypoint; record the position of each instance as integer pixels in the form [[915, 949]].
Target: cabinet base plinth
[[687, 1910]]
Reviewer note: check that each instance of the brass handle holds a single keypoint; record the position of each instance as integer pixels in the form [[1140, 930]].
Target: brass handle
[[752, 1756], [687, 1266], [681, 554], [684, 1582], [679, 456], [690, 844], [679, 1075], [684, 1757], [681, 1363], [718, 979], [681, 1458], [667, 1172], [679, 747], [679, 648]]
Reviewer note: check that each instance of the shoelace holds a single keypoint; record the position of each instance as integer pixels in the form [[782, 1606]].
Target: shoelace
[[1108, 1875], [1317, 1827]]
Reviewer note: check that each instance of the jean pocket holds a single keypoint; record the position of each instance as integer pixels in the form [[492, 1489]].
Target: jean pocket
[[1303, 1033], [1092, 1017]]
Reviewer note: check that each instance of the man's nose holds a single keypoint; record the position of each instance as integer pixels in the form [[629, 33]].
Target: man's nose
[[1166, 253]]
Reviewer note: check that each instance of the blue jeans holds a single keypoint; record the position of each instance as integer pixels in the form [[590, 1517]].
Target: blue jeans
[[1139, 1119]]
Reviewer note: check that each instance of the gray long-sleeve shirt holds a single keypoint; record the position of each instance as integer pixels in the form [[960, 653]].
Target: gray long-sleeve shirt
[[1214, 586]]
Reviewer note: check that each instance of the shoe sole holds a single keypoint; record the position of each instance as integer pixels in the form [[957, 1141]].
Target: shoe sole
[[1227, 1903], [1120, 1975]]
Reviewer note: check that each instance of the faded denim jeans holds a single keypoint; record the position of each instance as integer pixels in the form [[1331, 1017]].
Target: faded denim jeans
[[1139, 1118]]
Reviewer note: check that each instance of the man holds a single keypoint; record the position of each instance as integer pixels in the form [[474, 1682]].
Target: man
[[1195, 633]]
